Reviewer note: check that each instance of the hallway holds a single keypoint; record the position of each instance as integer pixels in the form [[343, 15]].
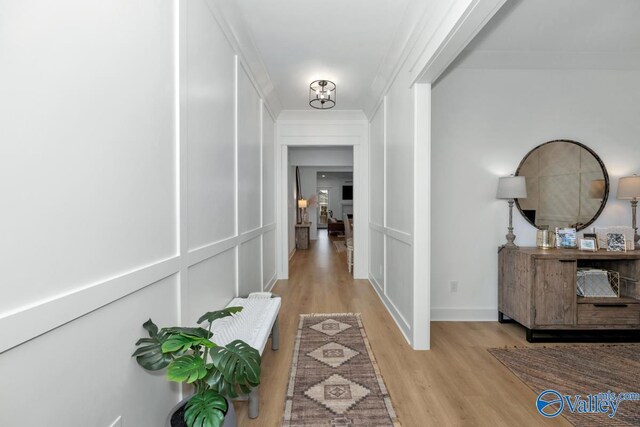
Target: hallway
[[456, 383]]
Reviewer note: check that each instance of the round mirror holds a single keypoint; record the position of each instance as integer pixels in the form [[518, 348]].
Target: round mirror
[[567, 185]]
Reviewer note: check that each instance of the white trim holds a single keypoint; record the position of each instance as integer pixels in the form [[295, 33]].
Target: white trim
[[18, 326], [326, 133], [182, 159], [404, 327], [292, 253], [459, 26], [464, 314], [230, 21], [421, 216], [271, 283]]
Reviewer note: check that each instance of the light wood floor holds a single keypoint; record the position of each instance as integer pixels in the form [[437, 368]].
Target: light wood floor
[[456, 383]]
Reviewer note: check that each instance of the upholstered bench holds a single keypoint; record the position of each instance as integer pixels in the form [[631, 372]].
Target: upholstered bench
[[257, 321]]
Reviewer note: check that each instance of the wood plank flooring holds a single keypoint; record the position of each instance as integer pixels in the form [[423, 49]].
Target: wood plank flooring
[[456, 383]]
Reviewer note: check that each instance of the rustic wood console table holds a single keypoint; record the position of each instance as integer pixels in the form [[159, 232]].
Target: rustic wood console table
[[537, 288]]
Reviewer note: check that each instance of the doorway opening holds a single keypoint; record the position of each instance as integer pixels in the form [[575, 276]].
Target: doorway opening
[[321, 196]]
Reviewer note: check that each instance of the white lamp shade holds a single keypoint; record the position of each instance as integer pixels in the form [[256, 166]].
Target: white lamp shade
[[302, 203], [629, 187], [596, 190], [512, 187]]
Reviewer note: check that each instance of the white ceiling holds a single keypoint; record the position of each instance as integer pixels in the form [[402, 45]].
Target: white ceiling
[[582, 33], [344, 41]]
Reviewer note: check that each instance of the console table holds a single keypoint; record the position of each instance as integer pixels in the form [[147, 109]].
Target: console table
[[537, 288], [302, 235]]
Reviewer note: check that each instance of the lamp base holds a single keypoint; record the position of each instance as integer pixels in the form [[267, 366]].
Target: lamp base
[[510, 236]]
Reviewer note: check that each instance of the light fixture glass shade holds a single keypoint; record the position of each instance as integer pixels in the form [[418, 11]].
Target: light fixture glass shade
[[322, 94], [302, 203], [512, 187], [629, 188]]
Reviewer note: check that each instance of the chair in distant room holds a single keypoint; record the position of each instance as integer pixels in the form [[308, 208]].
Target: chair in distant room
[[349, 241]]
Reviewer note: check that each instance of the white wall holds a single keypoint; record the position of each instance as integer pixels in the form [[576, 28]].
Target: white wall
[[431, 35], [392, 201], [484, 122], [120, 187]]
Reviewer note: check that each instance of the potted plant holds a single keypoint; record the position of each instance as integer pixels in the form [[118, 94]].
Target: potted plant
[[217, 372]]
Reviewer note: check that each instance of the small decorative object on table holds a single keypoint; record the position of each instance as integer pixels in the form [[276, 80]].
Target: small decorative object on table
[[593, 236], [597, 283], [545, 239], [616, 242], [566, 238], [588, 244]]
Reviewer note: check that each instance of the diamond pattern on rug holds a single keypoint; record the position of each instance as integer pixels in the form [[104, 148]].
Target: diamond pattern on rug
[[333, 354], [330, 327], [337, 393]]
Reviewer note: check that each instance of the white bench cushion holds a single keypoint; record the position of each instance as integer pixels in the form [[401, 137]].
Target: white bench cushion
[[252, 325]]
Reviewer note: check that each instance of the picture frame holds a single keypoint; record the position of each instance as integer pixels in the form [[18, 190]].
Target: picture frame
[[593, 236], [566, 238], [588, 244], [616, 242]]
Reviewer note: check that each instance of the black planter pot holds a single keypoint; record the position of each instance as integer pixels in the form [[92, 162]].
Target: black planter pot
[[175, 418]]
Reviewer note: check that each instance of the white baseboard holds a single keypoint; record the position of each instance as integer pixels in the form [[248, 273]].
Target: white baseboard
[[464, 314], [402, 324], [292, 253], [271, 283]]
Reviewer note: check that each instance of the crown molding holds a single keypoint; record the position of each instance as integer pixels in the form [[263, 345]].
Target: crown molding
[[231, 22], [439, 31]]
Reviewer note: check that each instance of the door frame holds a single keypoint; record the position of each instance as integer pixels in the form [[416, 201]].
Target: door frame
[[325, 133]]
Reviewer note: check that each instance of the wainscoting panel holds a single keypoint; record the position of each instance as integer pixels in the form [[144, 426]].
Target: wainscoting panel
[[268, 169], [87, 363], [209, 121], [399, 284], [269, 258], [249, 154], [250, 266], [376, 263], [212, 284], [377, 162]]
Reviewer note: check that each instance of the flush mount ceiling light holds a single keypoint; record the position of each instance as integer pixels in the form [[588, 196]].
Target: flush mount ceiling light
[[322, 94]]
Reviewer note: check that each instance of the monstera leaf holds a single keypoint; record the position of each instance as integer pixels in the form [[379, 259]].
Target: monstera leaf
[[237, 363], [181, 343], [187, 368], [206, 409], [193, 332], [149, 354], [219, 314]]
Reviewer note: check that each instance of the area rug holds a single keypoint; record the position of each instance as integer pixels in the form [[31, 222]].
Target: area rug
[[340, 245], [335, 381], [580, 370]]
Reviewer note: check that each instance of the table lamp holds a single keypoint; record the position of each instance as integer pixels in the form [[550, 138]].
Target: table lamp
[[302, 205], [510, 188], [629, 189]]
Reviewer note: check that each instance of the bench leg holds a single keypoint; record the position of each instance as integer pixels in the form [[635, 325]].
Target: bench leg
[[254, 403], [275, 335]]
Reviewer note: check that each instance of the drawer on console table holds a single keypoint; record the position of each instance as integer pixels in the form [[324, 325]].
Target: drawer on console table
[[608, 311]]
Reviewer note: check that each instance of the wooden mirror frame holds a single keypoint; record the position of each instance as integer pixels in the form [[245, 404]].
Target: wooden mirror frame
[[604, 172]]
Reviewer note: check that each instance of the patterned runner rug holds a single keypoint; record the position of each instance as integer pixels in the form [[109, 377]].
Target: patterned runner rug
[[579, 370], [335, 381]]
